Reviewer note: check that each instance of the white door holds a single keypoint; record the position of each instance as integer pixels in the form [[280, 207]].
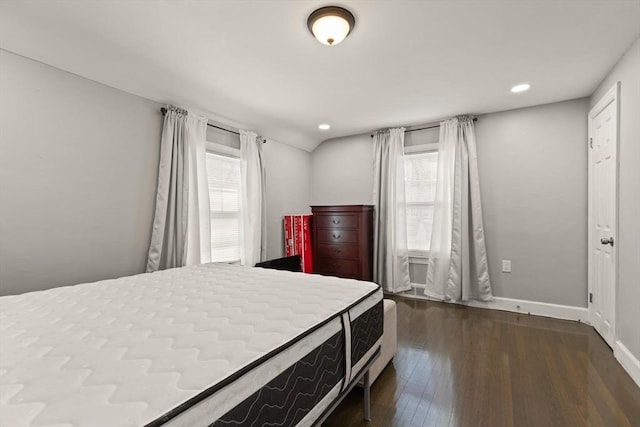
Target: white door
[[603, 213]]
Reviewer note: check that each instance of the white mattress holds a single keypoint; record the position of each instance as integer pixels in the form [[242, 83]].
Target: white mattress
[[124, 352]]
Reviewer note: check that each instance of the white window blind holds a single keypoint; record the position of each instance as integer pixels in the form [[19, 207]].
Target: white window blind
[[420, 171], [223, 174]]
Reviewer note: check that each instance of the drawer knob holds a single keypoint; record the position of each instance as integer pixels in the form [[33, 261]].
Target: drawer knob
[[336, 236], [335, 221]]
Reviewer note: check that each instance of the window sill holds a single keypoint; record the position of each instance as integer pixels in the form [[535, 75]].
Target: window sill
[[418, 258]]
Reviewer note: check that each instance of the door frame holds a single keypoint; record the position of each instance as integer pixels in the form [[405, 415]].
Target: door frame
[[611, 96]]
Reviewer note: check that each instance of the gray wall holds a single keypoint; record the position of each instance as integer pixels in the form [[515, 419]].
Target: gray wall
[[533, 177], [342, 171], [627, 72], [78, 171], [342, 168], [288, 190], [78, 174], [533, 171]]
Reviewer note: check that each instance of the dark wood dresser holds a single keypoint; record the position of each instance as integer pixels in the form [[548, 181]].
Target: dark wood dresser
[[343, 241]]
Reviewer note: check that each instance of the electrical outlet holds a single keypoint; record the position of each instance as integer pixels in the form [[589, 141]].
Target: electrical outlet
[[506, 266]]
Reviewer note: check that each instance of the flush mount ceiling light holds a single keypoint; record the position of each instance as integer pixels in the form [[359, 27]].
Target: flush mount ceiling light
[[331, 24], [324, 126], [520, 88]]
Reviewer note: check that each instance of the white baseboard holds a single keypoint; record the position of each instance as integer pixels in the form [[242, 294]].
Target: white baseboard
[[628, 361], [557, 311]]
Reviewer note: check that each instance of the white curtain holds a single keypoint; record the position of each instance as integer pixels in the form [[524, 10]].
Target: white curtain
[[180, 234], [252, 200], [458, 268], [391, 256]]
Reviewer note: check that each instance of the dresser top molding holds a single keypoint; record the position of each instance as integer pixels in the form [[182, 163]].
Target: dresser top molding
[[343, 208]]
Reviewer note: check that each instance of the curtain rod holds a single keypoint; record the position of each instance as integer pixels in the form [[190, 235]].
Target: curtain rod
[[163, 110], [475, 119], [226, 130]]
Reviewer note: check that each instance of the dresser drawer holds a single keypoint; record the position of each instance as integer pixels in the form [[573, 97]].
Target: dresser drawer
[[327, 250], [338, 267], [337, 235], [336, 221], [343, 240]]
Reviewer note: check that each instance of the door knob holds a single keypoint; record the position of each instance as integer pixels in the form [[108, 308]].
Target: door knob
[[606, 241]]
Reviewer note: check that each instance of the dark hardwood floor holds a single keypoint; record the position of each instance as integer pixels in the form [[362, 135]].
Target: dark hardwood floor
[[462, 366]]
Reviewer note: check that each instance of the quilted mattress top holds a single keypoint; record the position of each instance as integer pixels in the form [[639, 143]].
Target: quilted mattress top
[[123, 352]]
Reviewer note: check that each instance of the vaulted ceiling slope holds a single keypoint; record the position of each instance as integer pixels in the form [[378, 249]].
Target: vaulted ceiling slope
[[253, 64]]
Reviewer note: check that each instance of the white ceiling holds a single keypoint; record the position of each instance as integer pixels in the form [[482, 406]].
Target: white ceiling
[[253, 64]]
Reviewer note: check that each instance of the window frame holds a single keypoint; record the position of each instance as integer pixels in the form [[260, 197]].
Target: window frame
[[234, 153], [221, 150], [418, 256]]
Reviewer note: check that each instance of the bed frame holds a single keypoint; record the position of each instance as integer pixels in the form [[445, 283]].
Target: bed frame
[[363, 375]]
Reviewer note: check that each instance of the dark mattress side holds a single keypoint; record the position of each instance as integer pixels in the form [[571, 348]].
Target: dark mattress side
[[366, 329], [289, 397], [290, 387]]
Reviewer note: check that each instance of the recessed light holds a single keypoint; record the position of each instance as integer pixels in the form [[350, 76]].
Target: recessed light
[[324, 126], [520, 88]]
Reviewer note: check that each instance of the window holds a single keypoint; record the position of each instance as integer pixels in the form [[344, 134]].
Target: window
[[223, 174], [420, 171]]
